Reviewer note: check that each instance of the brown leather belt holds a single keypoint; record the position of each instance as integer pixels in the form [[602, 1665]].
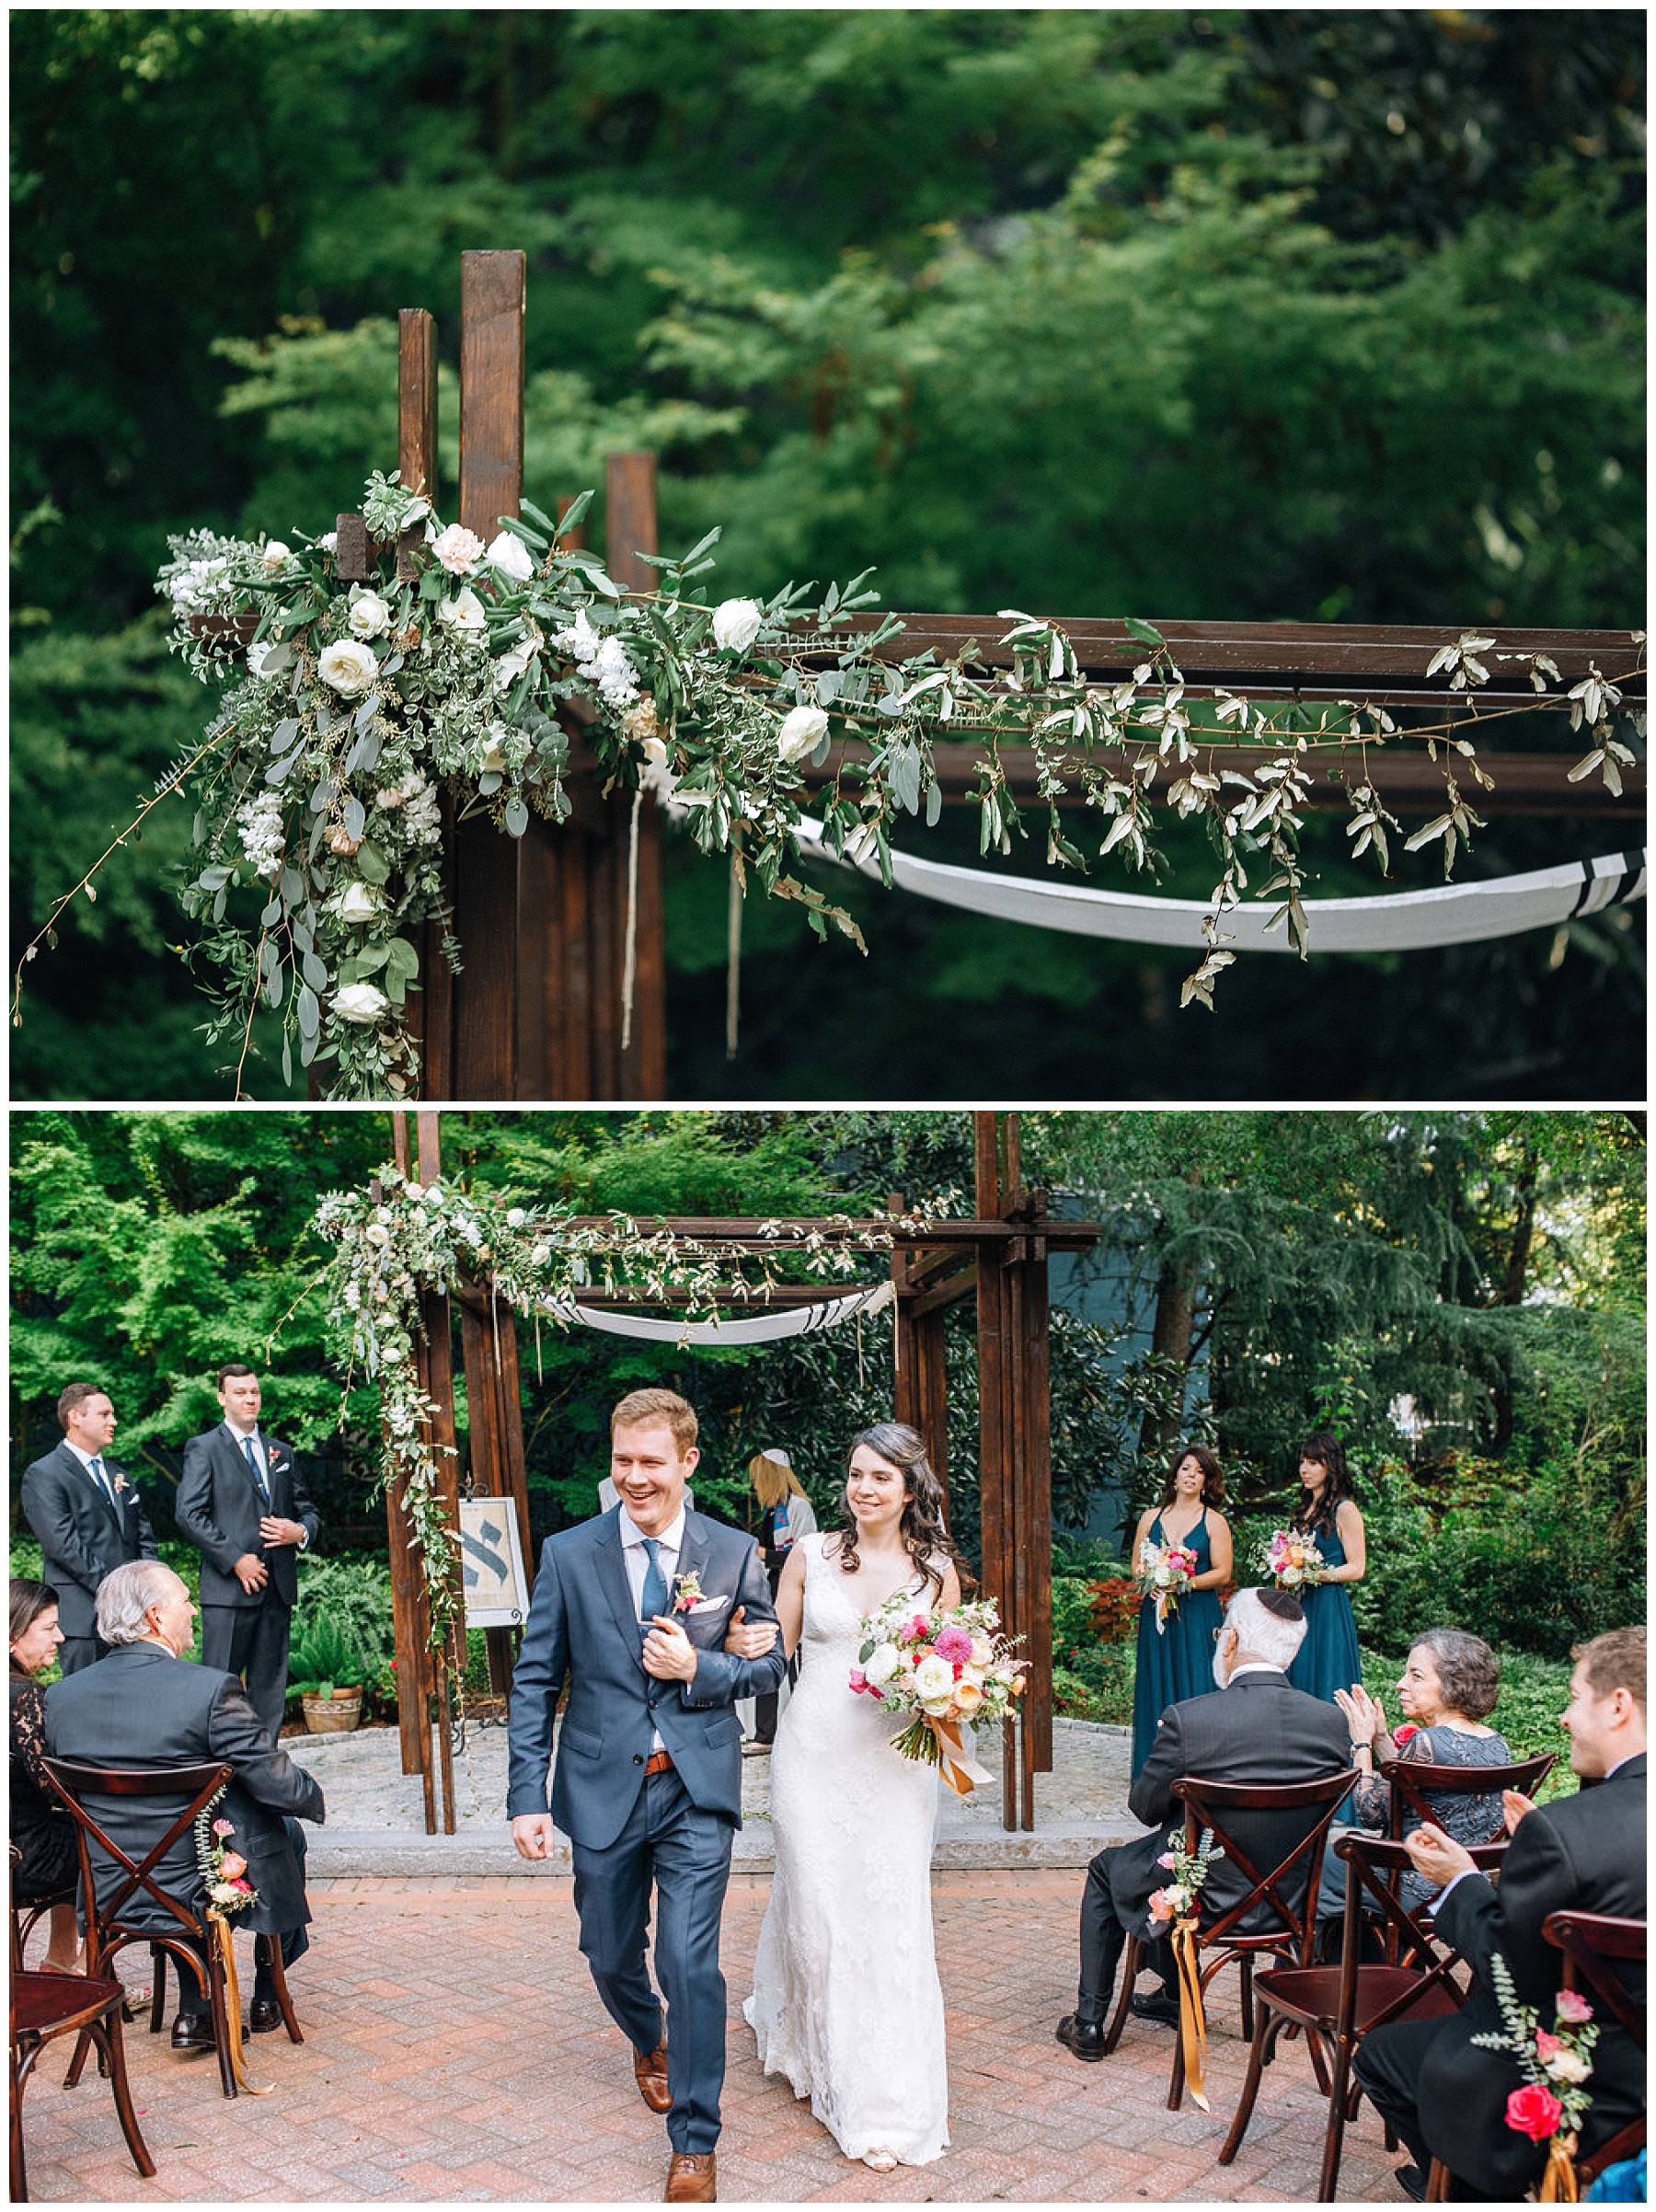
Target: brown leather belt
[[659, 1762]]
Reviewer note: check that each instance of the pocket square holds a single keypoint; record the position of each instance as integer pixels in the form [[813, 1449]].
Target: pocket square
[[708, 1604]]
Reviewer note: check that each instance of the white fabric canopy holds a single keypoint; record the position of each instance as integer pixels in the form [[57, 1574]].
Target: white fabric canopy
[[1405, 921], [750, 1329]]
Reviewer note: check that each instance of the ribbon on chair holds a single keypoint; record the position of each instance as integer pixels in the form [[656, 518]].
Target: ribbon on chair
[[1558, 2184], [1192, 2014], [225, 1947]]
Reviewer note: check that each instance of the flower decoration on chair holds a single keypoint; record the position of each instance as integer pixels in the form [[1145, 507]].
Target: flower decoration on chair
[[362, 717], [1556, 2065], [1179, 1902]]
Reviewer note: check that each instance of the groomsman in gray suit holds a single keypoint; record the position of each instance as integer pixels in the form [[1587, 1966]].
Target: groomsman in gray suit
[[631, 1609], [86, 1510], [241, 1502]]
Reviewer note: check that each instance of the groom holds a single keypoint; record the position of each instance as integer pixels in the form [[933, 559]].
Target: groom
[[632, 1608]]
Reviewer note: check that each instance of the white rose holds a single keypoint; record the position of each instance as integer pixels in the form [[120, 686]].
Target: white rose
[[465, 612], [224, 1893], [801, 734], [516, 1217], [377, 1232], [458, 549], [369, 614], [736, 624], [328, 542], [1568, 2066], [510, 555], [349, 667], [360, 1002], [934, 1683], [882, 1665], [257, 657], [358, 902], [275, 553]]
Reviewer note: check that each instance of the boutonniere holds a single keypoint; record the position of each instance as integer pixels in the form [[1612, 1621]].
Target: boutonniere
[[687, 1592], [122, 1485]]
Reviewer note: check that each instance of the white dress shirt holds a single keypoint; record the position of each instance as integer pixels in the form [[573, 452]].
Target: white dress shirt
[[105, 1489]]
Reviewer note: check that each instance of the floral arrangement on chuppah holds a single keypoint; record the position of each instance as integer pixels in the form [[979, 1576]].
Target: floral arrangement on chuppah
[[360, 717]]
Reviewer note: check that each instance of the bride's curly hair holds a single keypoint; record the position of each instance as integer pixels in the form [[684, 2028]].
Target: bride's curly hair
[[922, 1528]]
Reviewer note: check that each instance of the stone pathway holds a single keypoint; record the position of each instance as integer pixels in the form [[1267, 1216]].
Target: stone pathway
[[455, 2051], [376, 1820]]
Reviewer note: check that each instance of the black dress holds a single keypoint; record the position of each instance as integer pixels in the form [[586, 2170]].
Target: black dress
[[40, 1829]]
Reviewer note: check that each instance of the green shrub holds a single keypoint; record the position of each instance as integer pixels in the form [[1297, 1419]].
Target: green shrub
[[343, 1622], [1097, 1686]]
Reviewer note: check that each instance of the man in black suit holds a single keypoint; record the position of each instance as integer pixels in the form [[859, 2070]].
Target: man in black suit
[[241, 1502], [146, 1705], [1262, 1730], [1446, 2096], [86, 1511]]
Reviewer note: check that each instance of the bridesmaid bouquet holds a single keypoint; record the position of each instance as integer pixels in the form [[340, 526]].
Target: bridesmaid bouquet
[[943, 1668], [1165, 1572], [1293, 1561]]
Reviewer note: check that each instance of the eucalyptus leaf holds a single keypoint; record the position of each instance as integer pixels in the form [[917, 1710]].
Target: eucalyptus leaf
[[355, 819], [316, 974], [517, 817], [371, 864], [309, 1011]]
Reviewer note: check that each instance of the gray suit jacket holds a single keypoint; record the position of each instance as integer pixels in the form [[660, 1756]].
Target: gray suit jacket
[[82, 1537], [219, 1509], [583, 1628], [141, 1707]]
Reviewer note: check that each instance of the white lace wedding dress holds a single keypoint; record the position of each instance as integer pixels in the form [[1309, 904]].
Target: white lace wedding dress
[[846, 2004]]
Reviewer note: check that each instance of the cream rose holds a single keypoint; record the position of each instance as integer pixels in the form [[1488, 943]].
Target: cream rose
[[464, 613], [801, 734], [510, 555], [881, 1665], [935, 1684], [369, 614], [358, 902], [736, 624], [349, 668], [458, 549], [360, 1002], [275, 553]]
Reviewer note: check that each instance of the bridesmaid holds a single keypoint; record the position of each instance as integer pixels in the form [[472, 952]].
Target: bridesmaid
[[1177, 1660], [1327, 1512]]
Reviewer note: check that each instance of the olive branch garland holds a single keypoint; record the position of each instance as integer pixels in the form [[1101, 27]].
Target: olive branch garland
[[368, 715], [398, 1240]]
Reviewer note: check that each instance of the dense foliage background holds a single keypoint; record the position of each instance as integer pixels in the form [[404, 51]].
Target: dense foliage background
[[1461, 1295], [1317, 314]]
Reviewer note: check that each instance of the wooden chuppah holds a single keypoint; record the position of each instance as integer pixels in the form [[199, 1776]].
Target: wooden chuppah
[[544, 919], [1000, 1256]]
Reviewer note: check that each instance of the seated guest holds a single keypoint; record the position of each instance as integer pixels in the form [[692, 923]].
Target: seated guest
[[1264, 1731], [1444, 2093], [1449, 1681], [40, 1829], [146, 1705]]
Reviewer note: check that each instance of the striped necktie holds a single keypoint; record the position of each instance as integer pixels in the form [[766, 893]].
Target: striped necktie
[[258, 1471]]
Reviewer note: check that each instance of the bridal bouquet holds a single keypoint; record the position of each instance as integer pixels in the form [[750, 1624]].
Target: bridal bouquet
[[1293, 1561], [1165, 1572], [942, 1668]]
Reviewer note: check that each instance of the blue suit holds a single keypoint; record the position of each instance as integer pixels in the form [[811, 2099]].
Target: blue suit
[[630, 1832]]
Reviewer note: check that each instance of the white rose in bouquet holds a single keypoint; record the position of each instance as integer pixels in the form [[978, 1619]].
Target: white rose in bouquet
[[935, 1684], [510, 555], [360, 1002], [464, 613], [881, 1665], [358, 902], [349, 668], [458, 549], [369, 614], [736, 624], [801, 734]]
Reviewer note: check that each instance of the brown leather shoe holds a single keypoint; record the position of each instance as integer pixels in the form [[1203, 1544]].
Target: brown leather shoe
[[691, 2179], [650, 2069]]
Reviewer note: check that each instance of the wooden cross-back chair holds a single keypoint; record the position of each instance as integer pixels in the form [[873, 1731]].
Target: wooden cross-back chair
[[1287, 1886], [1415, 1783], [188, 1942], [1337, 2006], [44, 2005], [1589, 1941]]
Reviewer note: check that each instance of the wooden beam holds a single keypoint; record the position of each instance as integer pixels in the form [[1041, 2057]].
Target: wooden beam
[[416, 421], [492, 287], [630, 530], [749, 1232], [949, 1291]]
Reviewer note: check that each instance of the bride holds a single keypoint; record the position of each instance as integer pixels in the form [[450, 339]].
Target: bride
[[846, 2002]]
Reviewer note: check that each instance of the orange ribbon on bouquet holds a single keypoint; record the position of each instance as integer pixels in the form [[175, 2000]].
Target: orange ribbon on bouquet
[[1192, 2014], [959, 1770]]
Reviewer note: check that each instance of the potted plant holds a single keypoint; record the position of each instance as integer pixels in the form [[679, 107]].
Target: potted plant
[[325, 1672]]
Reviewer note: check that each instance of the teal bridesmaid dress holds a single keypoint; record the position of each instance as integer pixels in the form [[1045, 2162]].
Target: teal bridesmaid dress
[[1176, 1660], [1327, 1660]]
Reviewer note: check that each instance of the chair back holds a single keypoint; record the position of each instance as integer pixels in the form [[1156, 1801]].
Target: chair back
[[1415, 1783], [1589, 1941], [1375, 1867], [1272, 1836], [129, 1879]]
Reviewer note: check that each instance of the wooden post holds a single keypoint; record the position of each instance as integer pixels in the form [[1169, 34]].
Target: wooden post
[[630, 530], [919, 1356], [995, 1357], [410, 1618], [440, 1387]]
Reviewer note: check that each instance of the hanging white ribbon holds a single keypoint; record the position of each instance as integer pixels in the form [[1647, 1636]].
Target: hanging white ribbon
[[1404, 921], [747, 1329]]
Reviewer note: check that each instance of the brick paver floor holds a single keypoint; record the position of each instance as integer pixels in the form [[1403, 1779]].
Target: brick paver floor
[[455, 2049]]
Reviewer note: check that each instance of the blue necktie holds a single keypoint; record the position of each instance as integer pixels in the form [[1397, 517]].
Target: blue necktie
[[654, 1599], [104, 1482], [257, 1472]]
